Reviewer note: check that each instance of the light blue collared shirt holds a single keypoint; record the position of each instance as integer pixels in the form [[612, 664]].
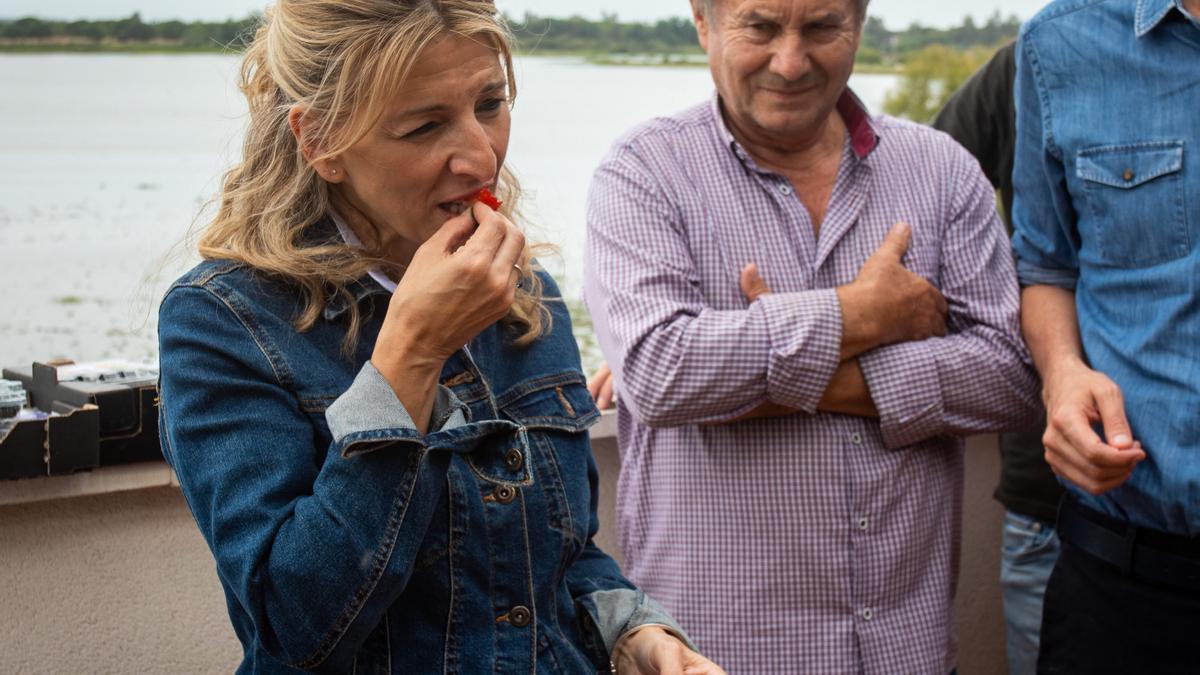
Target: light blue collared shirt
[[1106, 182]]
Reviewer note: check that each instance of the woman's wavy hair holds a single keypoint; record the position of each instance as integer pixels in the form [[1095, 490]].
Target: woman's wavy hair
[[341, 60]]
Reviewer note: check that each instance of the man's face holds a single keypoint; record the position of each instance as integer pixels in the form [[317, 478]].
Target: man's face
[[779, 65]]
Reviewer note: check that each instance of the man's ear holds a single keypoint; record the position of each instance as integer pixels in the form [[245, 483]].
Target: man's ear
[[329, 169], [701, 20]]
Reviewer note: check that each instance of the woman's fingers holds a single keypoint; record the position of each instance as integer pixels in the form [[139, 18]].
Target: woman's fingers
[[452, 234]]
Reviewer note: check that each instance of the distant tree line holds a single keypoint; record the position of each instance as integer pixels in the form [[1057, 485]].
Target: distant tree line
[[130, 31], [534, 33]]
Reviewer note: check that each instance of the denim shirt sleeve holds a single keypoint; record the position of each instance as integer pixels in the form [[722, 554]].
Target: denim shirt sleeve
[[1045, 238], [314, 543]]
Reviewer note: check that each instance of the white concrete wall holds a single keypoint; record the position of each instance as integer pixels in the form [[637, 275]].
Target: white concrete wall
[[124, 583]]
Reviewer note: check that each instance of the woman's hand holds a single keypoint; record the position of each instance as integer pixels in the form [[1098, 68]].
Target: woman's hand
[[654, 651], [459, 282]]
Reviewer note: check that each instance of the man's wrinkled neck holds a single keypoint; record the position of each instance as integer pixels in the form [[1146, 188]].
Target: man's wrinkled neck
[[792, 153]]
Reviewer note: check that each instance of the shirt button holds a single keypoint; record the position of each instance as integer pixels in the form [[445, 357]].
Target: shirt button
[[505, 494], [867, 614], [519, 616], [514, 459], [863, 524], [856, 438], [785, 189], [1128, 175]]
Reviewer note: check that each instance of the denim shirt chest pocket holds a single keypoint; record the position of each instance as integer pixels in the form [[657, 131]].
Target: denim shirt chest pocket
[[1134, 194]]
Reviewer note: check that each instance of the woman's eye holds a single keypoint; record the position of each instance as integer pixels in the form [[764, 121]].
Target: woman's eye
[[491, 105], [421, 130]]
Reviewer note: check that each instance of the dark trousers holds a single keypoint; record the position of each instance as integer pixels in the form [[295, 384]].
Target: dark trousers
[[1099, 619]]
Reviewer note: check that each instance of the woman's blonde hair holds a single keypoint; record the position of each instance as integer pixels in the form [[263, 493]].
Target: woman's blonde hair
[[342, 60]]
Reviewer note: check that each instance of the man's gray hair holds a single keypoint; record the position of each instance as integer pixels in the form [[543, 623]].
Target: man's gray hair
[[860, 5]]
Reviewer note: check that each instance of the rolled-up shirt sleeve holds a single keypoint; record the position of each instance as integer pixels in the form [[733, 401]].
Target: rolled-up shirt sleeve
[[678, 361], [979, 377], [1045, 237]]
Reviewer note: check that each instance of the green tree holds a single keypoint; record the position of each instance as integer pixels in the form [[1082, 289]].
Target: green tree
[[133, 29], [930, 76], [28, 28], [89, 30]]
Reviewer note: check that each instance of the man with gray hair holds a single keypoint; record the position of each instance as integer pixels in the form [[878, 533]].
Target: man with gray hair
[[791, 482]]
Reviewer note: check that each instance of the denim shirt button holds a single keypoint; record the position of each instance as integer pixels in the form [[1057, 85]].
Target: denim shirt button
[[519, 616], [505, 494], [514, 459]]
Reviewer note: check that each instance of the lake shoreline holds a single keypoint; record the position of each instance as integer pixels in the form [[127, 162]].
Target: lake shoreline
[[613, 59]]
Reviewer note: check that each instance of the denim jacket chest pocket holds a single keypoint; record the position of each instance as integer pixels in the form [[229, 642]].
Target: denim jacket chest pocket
[[1135, 196], [555, 411]]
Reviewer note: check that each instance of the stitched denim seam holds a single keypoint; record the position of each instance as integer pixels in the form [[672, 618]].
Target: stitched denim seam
[[547, 382], [237, 303], [533, 621], [380, 560], [559, 489], [1043, 94]]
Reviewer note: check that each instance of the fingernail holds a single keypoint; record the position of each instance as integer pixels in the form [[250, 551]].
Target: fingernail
[[1121, 439]]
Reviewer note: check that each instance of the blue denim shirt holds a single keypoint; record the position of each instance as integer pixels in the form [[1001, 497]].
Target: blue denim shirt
[[347, 541], [1107, 181]]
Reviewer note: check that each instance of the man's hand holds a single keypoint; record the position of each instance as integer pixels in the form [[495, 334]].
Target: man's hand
[[847, 392], [600, 386], [1077, 397], [886, 303], [654, 651]]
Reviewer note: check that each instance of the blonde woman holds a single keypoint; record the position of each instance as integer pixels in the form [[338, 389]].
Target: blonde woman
[[370, 394]]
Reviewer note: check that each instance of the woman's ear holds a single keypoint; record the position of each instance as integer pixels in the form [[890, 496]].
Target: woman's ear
[[328, 168]]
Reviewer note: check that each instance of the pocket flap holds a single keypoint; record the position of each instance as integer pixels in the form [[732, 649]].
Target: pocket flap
[[559, 401], [1128, 166]]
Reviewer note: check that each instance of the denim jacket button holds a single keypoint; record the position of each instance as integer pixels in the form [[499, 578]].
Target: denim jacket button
[[505, 494], [514, 459], [519, 616]]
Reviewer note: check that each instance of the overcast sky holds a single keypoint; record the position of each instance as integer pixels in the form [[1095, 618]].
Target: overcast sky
[[895, 13]]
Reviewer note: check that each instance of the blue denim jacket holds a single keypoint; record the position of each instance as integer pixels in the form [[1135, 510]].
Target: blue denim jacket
[[1107, 203], [346, 541]]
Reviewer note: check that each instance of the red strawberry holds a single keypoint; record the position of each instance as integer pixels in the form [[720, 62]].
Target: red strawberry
[[488, 198]]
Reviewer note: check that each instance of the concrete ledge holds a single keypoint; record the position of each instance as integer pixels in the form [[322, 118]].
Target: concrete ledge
[[105, 480], [148, 475]]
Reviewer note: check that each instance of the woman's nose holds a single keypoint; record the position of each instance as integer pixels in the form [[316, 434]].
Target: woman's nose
[[474, 155]]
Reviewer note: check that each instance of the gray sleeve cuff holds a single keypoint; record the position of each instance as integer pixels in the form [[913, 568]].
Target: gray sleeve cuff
[[619, 611], [368, 416]]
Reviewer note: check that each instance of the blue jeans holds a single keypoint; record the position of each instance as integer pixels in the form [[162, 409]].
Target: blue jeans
[[1030, 551]]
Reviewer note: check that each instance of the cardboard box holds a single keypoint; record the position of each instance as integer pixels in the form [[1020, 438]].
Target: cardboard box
[[127, 420], [61, 444]]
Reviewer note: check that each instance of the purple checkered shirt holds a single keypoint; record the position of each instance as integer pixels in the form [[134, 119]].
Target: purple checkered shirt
[[813, 542]]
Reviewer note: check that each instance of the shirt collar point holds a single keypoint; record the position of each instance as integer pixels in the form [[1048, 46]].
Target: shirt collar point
[[1149, 14]]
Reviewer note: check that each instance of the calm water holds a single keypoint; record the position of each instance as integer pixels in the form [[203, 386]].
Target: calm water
[[105, 161]]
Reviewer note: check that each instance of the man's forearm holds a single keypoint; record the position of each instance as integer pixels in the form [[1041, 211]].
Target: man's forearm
[[846, 394], [1051, 328]]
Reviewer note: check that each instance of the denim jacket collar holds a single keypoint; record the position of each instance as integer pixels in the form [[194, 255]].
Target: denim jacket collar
[[1150, 13], [336, 305]]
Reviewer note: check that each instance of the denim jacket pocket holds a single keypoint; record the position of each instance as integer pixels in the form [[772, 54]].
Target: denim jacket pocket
[[557, 410], [1130, 189]]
